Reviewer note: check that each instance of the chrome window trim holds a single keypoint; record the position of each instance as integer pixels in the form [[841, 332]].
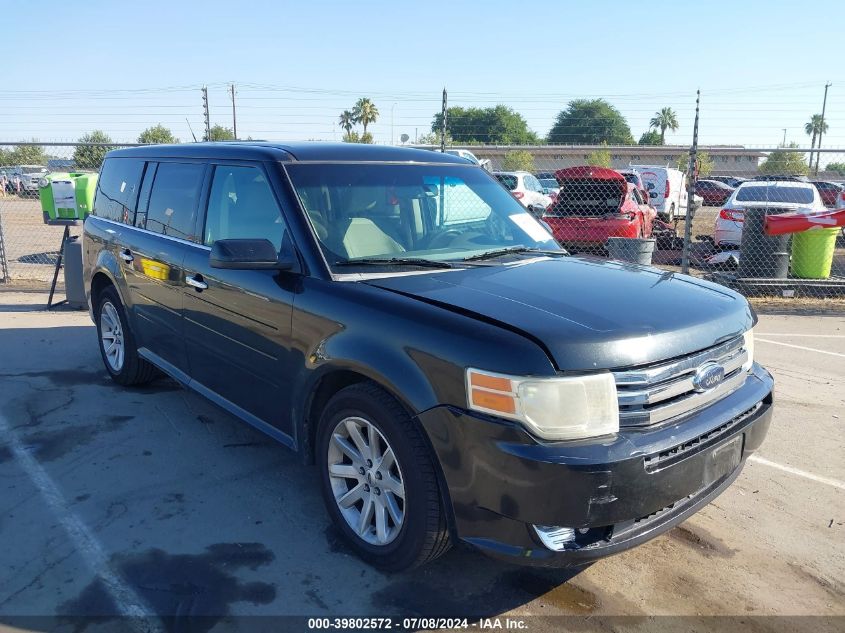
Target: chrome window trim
[[161, 235]]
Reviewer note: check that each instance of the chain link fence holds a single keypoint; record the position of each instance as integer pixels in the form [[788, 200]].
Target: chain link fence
[[755, 224]]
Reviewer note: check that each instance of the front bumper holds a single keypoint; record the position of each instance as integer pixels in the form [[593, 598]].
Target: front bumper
[[617, 492]]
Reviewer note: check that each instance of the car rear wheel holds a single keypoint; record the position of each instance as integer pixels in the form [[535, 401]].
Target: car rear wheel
[[378, 479], [117, 344]]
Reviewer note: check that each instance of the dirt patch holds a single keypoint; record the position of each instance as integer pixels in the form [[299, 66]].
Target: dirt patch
[[833, 587]]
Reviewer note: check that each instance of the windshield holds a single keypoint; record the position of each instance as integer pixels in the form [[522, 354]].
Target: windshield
[[399, 212], [549, 183], [33, 170], [775, 193]]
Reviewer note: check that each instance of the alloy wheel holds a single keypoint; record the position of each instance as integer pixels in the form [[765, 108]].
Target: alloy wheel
[[111, 336], [366, 481]]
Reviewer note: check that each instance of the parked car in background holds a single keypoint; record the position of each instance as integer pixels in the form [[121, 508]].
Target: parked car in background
[[713, 192], [526, 188], [731, 181], [397, 318], [30, 175], [595, 203], [774, 196], [633, 177], [830, 192], [551, 187], [780, 178], [468, 155], [667, 190]]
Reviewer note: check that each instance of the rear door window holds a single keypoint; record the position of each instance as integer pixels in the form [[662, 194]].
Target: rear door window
[[508, 180], [172, 209], [117, 189]]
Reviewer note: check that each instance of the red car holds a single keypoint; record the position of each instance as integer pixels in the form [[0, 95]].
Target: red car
[[595, 203], [715, 193], [830, 192]]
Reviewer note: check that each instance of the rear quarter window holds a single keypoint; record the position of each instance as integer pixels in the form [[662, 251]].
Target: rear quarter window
[[507, 180], [117, 189]]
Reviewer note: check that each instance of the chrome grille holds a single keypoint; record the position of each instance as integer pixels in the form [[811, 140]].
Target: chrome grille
[[665, 391]]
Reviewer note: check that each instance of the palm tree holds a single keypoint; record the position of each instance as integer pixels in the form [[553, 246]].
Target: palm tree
[[365, 112], [815, 127], [664, 120], [347, 120]]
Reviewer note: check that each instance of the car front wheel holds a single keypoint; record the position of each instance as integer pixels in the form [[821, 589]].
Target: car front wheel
[[378, 479]]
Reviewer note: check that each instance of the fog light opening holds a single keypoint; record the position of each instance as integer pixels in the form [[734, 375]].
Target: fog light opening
[[554, 537]]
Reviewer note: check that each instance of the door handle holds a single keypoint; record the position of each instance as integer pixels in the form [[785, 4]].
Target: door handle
[[126, 255], [196, 281]]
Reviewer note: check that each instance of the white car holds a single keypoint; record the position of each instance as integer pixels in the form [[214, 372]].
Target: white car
[[775, 195], [526, 188], [667, 190], [30, 176]]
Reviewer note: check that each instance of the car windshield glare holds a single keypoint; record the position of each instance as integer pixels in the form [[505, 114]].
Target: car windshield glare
[[391, 214], [775, 193]]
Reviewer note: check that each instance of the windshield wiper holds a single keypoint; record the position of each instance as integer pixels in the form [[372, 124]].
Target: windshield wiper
[[499, 252], [394, 261]]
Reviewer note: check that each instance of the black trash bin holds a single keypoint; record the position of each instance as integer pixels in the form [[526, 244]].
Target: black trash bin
[[762, 256]]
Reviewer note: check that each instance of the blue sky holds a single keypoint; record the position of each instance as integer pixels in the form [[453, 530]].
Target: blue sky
[[121, 66]]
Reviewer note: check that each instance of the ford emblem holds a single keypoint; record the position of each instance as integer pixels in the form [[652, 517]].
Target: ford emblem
[[708, 377]]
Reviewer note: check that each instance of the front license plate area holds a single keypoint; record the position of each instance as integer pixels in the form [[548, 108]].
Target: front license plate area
[[723, 460]]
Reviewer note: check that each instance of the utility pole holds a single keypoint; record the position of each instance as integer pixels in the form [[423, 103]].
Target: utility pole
[[784, 138], [443, 125], [205, 113], [821, 127], [691, 176], [234, 117]]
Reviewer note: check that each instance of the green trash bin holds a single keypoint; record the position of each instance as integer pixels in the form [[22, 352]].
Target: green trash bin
[[76, 191], [812, 253]]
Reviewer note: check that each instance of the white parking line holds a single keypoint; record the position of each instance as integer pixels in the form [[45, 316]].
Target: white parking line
[[128, 602], [800, 473], [804, 335], [807, 349]]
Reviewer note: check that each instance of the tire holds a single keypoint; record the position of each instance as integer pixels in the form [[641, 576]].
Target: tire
[[126, 367], [421, 534]]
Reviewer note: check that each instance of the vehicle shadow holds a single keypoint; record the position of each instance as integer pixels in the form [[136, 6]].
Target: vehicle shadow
[[213, 514]]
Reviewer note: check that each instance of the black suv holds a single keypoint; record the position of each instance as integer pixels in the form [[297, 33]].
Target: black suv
[[397, 317]]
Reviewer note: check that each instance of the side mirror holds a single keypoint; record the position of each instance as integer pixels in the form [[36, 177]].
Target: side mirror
[[247, 254]]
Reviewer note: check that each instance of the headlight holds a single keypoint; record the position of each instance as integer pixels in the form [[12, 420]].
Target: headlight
[[43, 182], [748, 345], [559, 408]]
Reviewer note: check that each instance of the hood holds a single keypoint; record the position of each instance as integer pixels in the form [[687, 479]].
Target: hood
[[588, 313]]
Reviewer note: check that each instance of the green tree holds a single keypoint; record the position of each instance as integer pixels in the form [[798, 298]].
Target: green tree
[[705, 163], [347, 122], [785, 163], [157, 134], [838, 168], [28, 155], [365, 112], [650, 138], [5, 157], [518, 160], [91, 156], [599, 157], [433, 138], [497, 125], [665, 119], [590, 122], [351, 137], [366, 137], [219, 133]]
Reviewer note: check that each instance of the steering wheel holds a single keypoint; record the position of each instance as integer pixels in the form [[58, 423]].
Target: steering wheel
[[443, 238]]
